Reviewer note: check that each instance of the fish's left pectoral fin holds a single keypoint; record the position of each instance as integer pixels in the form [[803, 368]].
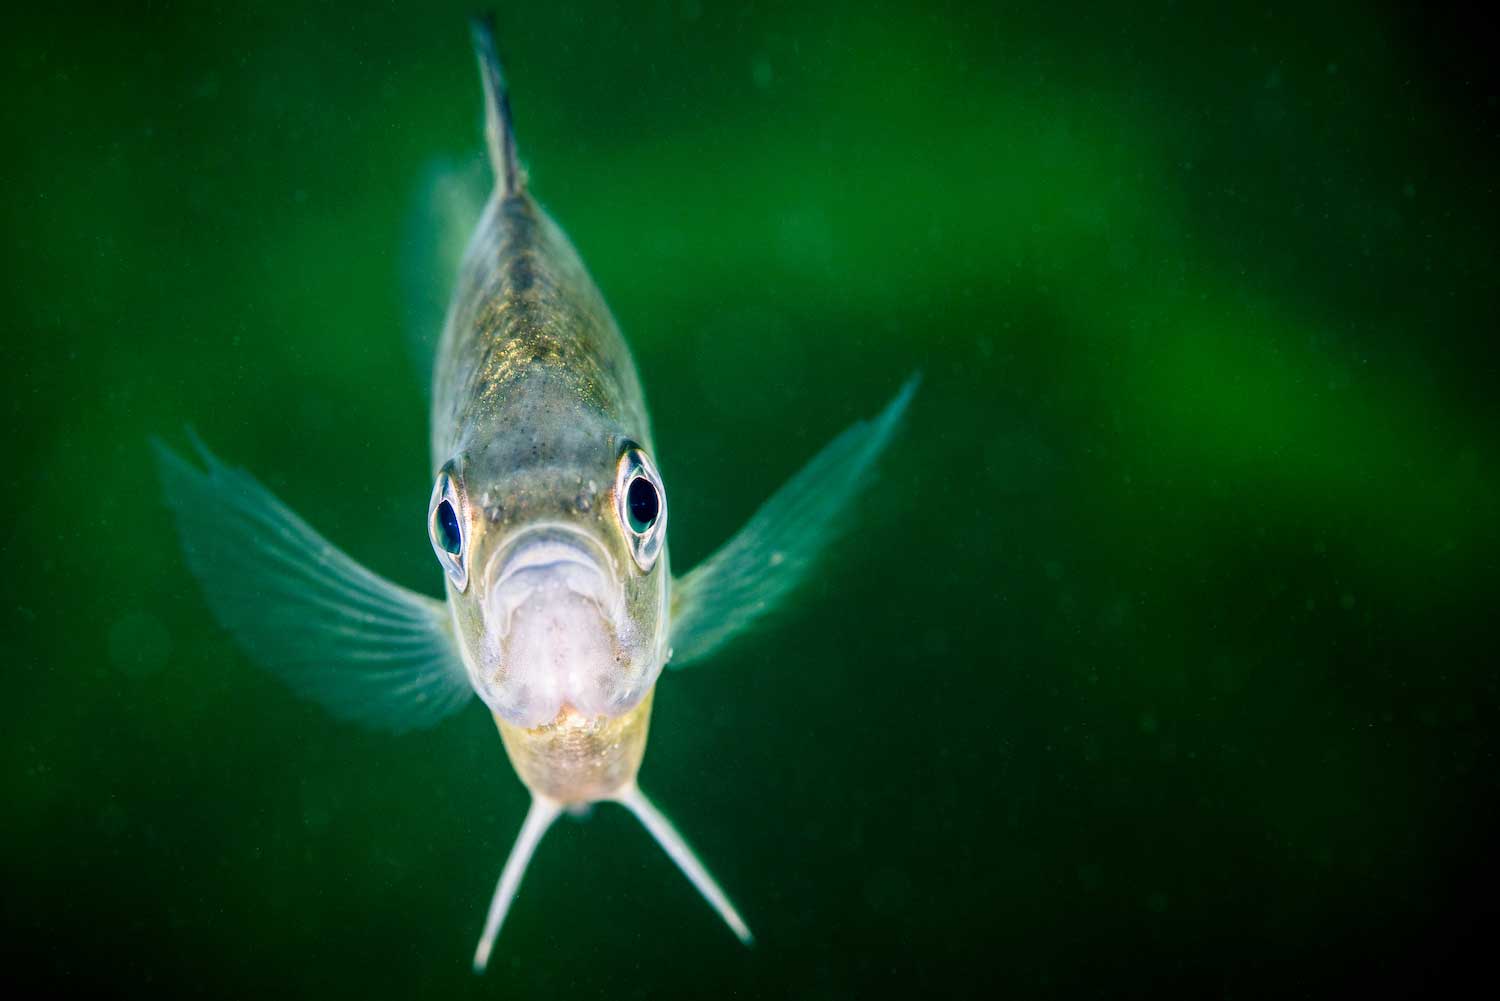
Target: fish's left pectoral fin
[[677, 849], [365, 649], [752, 572]]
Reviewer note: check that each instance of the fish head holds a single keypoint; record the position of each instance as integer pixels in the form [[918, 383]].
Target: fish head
[[557, 572]]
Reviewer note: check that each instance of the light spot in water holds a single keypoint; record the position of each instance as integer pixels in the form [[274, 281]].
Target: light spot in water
[[760, 72], [805, 237]]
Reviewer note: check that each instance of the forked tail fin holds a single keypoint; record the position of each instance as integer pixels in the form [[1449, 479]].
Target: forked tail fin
[[540, 817], [671, 842]]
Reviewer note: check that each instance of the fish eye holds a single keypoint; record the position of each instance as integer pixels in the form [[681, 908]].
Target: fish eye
[[447, 525], [445, 529], [641, 504]]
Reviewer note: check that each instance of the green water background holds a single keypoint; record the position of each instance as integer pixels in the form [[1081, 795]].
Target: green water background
[[1157, 660]]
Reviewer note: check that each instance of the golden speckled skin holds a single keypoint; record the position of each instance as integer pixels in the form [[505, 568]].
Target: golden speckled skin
[[577, 760], [535, 395], [525, 308]]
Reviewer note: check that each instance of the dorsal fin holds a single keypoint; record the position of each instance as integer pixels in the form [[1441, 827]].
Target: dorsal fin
[[498, 130]]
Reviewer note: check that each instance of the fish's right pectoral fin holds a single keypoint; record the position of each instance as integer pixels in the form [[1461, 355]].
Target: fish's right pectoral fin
[[365, 649], [757, 568]]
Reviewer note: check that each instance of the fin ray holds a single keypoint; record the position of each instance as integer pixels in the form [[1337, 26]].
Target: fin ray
[[365, 649]]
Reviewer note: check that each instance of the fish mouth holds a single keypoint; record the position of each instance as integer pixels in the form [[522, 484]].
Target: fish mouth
[[551, 564], [556, 628]]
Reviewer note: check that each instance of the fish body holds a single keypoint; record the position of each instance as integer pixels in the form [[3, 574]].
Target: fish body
[[535, 402], [549, 519]]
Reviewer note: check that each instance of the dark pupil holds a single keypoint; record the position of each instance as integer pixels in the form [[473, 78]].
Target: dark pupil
[[641, 502], [447, 524]]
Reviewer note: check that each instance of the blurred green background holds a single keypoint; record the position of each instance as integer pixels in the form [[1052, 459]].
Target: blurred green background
[[1156, 664]]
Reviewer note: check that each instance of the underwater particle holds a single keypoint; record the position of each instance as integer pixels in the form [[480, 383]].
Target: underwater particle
[[886, 891], [139, 644], [760, 72], [1147, 723], [1021, 463], [1156, 902], [1053, 569], [316, 810], [113, 820], [1115, 613], [1346, 601]]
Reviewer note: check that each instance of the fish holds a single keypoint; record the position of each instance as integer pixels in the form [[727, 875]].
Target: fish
[[548, 519]]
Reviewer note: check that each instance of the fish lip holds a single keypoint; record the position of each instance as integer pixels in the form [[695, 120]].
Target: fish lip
[[544, 554], [548, 544], [551, 554]]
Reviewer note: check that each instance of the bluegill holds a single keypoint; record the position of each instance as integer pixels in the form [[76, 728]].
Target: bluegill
[[548, 517]]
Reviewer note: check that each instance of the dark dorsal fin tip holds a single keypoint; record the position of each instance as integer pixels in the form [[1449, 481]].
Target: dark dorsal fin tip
[[498, 130]]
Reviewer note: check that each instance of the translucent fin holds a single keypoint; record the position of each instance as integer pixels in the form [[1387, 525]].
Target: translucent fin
[[671, 842], [538, 818], [442, 218], [499, 131], [753, 571], [361, 647]]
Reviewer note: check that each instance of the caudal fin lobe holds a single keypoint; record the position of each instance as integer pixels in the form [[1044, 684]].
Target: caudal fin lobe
[[538, 819], [673, 844]]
